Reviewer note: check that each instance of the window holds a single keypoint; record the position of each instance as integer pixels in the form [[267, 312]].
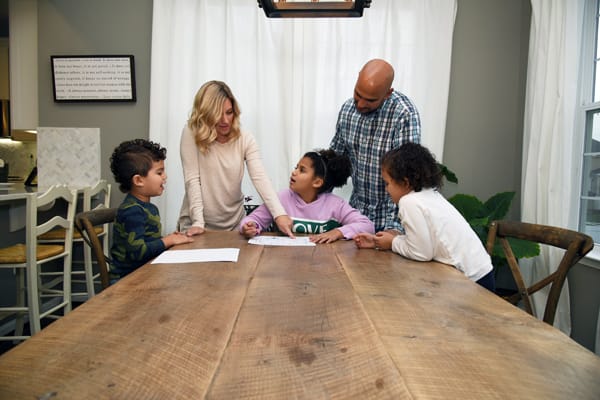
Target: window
[[589, 219]]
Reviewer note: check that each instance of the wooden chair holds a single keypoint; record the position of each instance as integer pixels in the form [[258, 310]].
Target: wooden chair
[[97, 196], [87, 223], [575, 244], [29, 259]]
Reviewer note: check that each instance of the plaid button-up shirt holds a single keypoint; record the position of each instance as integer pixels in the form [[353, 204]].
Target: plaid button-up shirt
[[365, 139]]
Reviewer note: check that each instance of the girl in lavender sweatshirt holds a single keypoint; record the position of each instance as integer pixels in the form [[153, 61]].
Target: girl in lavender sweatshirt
[[311, 205]]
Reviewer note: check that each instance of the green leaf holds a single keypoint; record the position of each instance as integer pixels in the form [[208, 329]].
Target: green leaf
[[449, 175], [498, 205], [524, 248], [484, 222], [479, 215], [521, 249], [482, 232], [469, 206]]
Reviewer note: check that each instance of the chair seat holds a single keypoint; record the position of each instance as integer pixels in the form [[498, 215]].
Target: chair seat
[[59, 234], [16, 254], [42, 271]]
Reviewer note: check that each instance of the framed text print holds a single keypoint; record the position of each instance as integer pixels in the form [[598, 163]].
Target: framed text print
[[93, 78]]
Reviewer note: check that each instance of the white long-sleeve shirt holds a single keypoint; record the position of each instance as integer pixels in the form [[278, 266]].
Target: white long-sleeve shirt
[[435, 230], [213, 182]]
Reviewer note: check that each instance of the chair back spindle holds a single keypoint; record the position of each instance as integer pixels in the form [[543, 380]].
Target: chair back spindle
[[575, 244]]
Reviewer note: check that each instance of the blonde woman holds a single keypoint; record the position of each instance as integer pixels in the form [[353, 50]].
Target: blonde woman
[[214, 154]]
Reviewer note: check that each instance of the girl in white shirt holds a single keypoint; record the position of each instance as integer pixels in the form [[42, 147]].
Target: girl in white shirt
[[434, 229]]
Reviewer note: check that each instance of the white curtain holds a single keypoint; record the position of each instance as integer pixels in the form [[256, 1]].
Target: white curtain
[[290, 76], [550, 161]]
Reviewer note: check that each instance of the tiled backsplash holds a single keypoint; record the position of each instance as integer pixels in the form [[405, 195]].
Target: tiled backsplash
[[20, 156], [69, 156]]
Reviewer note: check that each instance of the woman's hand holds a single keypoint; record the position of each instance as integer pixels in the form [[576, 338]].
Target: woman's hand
[[194, 230], [284, 223], [327, 237]]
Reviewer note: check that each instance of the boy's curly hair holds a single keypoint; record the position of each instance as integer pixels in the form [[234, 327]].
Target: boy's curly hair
[[134, 157], [415, 163], [334, 168]]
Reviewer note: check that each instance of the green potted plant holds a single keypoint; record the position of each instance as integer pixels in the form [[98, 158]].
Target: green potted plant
[[480, 214]]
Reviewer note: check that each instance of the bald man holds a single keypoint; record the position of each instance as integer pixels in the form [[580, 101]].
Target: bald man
[[376, 120]]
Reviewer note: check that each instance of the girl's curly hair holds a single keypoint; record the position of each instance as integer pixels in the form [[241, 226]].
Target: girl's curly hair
[[334, 168], [415, 163]]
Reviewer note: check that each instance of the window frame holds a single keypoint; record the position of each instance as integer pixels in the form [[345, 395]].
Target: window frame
[[589, 50]]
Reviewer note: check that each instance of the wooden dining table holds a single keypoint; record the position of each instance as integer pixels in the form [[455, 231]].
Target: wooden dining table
[[323, 322]]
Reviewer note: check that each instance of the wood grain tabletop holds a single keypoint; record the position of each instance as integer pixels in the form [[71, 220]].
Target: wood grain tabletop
[[323, 322]]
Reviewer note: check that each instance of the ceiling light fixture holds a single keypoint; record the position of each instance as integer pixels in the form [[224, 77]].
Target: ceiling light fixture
[[314, 8]]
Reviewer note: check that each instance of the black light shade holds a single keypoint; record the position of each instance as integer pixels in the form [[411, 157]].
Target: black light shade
[[313, 9]]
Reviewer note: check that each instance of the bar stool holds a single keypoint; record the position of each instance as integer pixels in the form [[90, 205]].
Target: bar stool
[[95, 197], [29, 259]]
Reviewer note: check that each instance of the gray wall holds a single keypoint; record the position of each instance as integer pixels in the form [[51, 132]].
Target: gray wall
[[485, 112], [584, 281], [484, 128], [86, 27]]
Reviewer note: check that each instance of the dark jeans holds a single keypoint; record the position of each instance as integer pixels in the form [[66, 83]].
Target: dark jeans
[[488, 282]]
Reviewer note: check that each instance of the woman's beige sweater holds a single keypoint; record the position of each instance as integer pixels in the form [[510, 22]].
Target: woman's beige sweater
[[213, 182]]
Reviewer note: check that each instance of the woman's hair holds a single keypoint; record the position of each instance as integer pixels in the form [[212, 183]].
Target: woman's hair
[[208, 109], [333, 168], [134, 157], [415, 163]]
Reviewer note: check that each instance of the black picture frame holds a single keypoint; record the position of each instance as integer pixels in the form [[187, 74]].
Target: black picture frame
[[93, 78]]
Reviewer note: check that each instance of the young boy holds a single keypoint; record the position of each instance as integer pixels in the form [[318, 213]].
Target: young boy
[[139, 168]]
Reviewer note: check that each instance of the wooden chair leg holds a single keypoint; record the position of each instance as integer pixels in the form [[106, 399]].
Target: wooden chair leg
[[89, 271], [516, 273]]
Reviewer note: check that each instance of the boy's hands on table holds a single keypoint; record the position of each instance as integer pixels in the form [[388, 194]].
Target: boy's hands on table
[[176, 238]]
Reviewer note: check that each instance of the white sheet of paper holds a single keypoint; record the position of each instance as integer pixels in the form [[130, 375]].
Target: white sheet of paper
[[281, 241], [197, 255]]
